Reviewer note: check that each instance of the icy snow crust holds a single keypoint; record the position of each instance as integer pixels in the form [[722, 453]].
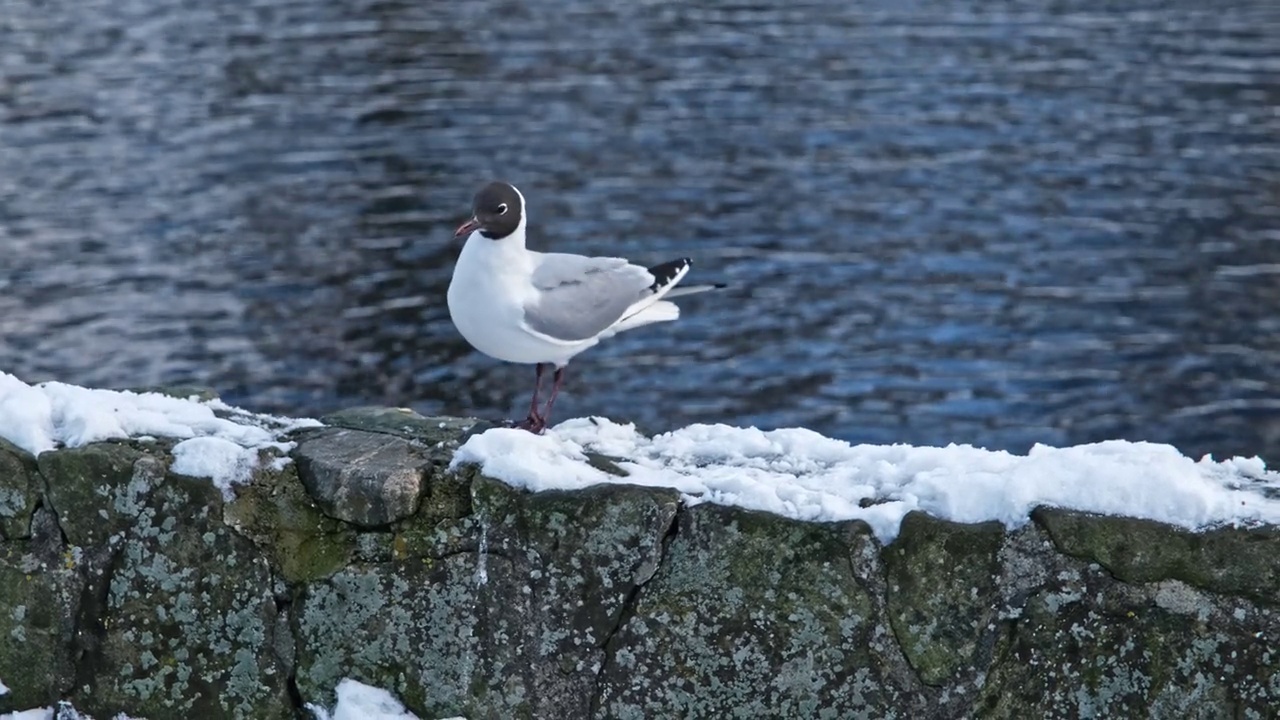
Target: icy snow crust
[[39, 418], [801, 474]]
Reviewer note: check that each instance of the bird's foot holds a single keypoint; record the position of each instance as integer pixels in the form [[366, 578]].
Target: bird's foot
[[533, 424]]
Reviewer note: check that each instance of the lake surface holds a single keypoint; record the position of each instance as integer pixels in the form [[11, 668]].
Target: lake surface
[[997, 223]]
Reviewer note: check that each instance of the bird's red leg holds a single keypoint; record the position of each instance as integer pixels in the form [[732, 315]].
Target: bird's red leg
[[535, 423], [555, 390]]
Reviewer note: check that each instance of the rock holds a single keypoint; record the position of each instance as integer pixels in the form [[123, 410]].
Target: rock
[[98, 490], [1106, 649], [39, 596], [1230, 560], [127, 588], [188, 620], [364, 478], [501, 614], [751, 615], [941, 594], [182, 392], [155, 607], [404, 423], [19, 491], [286, 523]]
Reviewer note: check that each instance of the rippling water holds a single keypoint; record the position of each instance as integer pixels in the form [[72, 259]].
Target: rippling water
[[989, 222]]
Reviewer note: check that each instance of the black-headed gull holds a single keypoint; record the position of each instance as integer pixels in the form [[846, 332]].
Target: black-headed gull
[[523, 306]]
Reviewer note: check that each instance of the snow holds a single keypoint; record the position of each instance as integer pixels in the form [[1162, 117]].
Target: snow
[[219, 442], [34, 714], [3, 689], [801, 474], [222, 461], [357, 701]]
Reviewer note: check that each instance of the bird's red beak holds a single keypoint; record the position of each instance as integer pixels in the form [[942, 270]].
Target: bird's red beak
[[466, 228]]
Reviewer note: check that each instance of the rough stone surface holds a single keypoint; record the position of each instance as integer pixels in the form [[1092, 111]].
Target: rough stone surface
[[403, 423], [503, 614], [126, 588], [38, 595], [301, 542], [1230, 560], [132, 595], [98, 493], [189, 616], [182, 392], [754, 614], [369, 479], [942, 594], [19, 491]]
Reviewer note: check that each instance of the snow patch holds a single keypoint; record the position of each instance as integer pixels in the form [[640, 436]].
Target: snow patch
[[801, 474], [222, 461], [220, 442], [357, 701]]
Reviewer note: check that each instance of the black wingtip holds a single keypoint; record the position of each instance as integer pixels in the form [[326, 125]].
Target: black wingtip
[[665, 272]]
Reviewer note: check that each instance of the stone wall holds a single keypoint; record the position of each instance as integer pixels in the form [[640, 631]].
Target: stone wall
[[124, 587]]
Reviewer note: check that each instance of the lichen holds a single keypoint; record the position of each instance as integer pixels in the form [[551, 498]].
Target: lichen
[[165, 601], [37, 611], [751, 615], [1229, 560], [1161, 650], [941, 579], [216, 621], [302, 543], [524, 642]]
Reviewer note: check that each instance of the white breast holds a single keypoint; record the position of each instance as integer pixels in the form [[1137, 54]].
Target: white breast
[[491, 285]]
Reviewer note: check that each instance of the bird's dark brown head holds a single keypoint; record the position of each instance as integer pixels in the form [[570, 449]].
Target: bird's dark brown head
[[496, 212]]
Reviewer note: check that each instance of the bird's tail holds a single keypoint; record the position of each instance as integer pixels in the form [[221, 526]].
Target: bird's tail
[[661, 311]]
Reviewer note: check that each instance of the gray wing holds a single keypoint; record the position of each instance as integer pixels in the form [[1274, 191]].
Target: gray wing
[[582, 296]]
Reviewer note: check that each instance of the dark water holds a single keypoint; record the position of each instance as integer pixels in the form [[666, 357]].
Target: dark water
[[985, 222]]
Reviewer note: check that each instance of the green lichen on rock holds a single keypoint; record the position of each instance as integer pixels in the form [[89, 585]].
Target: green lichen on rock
[[288, 526], [38, 599], [1229, 560], [941, 593], [750, 615], [95, 490], [479, 599], [402, 422], [19, 491], [502, 614], [189, 618], [1106, 650]]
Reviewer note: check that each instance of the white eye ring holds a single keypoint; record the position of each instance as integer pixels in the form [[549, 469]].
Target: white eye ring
[[502, 208]]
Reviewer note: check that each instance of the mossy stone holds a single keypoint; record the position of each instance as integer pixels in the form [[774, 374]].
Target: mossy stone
[[941, 593], [288, 526], [38, 605], [189, 619], [500, 614], [95, 490], [750, 615], [20, 489], [1233, 561], [1122, 652], [404, 423]]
